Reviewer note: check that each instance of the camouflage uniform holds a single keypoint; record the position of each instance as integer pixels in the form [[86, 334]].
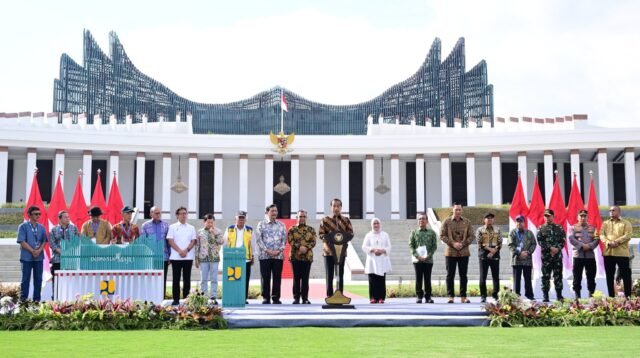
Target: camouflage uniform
[[551, 235]]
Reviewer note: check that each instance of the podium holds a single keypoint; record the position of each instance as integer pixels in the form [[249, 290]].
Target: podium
[[233, 277], [338, 243]]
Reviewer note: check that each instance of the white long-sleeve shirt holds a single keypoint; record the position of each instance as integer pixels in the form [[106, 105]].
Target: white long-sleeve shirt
[[378, 265]]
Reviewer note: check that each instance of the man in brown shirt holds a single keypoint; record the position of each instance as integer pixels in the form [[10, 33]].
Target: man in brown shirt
[[336, 222], [456, 234]]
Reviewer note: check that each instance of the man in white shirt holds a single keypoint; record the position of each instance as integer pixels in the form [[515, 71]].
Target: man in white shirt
[[241, 235], [181, 238]]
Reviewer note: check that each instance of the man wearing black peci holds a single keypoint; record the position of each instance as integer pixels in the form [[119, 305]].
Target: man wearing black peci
[[334, 223]]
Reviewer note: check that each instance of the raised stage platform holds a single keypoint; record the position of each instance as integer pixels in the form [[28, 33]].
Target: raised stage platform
[[398, 312]]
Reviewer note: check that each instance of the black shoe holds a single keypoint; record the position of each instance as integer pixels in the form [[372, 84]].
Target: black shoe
[[428, 300], [577, 295], [545, 297], [246, 302], [560, 298], [419, 300], [215, 302], [483, 300], [277, 302], [295, 302], [306, 302], [266, 302], [175, 303]]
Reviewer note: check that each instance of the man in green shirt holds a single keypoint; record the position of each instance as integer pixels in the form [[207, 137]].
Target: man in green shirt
[[423, 244]]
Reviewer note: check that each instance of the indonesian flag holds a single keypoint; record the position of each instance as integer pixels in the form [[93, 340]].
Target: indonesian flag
[[556, 203], [98, 197], [115, 204], [57, 202], [575, 205], [536, 218], [518, 205], [78, 209], [283, 103], [35, 199], [594, 219]]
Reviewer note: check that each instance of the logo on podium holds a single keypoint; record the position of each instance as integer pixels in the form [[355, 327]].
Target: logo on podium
[[234, 273], [107, 287]]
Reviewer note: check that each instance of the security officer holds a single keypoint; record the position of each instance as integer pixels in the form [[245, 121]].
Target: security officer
[[551, 238], [584, 239]]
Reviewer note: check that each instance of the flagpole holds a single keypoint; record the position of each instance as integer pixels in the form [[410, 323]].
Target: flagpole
[[281, 110]]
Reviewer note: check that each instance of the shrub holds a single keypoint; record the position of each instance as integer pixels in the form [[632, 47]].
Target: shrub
[[11, 219], [10, 290]]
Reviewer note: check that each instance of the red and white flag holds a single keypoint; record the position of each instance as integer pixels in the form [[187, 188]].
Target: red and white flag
[[575, 205], [98, 197], [57, 202], [518, 205], [78, 209], [594, 218], [536, 218], [556, 203], [115, 205], [283, 103]]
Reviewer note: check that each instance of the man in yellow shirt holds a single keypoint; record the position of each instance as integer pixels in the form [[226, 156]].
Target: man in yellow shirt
[[615, 234]]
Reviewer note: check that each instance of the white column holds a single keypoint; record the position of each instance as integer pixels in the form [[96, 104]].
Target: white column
[[344, 184], [420, 205], [268, 180], [522, 168], [140, 176], [295, 186], [192, 192], [445, 180], [575, 167], [59, 166], [369, 184], [320, 187], [243, 200], [548, 175], [4, 173], [603, 177], [471, 179], [496, 179], [114, 166], [217, 186], [630, 175], [86, 177], [395, 187], [166, 186], [31, 167]]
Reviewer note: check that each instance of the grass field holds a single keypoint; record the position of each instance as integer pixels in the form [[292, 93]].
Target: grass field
[[335, 342]]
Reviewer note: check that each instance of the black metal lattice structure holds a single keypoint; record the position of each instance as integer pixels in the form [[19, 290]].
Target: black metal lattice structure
[[111, 85]]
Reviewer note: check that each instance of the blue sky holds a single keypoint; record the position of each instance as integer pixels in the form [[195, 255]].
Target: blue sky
[[545, 58]]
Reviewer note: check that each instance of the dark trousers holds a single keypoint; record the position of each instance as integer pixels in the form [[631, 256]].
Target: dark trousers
[[29, 267], [246, 290], [54, 267], [181, 267], [622, 262], [423, 275], [518, 272], [485, 266], [268, 268], [166, 270], [377, 287], [462, 263], [329, 266], [588, 265], [301, 270]]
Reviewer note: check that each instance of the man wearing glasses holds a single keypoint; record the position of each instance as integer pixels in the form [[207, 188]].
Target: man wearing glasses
[[31, 236], [615, 234]]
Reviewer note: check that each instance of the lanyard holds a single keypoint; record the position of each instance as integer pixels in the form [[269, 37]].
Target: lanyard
[[126, 231], [95, 228], [520, 238]]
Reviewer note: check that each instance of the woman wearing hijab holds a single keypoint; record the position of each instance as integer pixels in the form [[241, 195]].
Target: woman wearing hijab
[[377, 246]]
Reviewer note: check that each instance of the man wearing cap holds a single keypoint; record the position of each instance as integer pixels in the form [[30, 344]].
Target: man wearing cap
[[616, 233], [96, 228], [124, 231], [456, 234], [585, 239], [489, 239], [551, 238], [241, 235], [522, 244]]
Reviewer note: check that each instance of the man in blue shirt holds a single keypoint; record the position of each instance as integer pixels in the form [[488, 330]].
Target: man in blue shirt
[[32, 237], [159, 228]]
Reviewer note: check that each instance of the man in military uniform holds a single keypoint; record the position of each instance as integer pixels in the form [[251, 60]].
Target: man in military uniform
[[489, 241], [551, 238], [584, 239]]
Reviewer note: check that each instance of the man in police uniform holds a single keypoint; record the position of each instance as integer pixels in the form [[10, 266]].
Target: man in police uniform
[[551, 238], [584, 239]]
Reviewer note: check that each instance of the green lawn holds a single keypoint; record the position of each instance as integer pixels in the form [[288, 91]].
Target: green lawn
[[314, 342]]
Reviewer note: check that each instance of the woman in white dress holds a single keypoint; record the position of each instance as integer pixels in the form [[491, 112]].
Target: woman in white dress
[[377, 246]]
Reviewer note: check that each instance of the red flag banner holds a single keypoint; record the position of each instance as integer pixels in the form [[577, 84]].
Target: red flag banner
[[519, 203], [115, 205], [556, 203], [78, 209], [595, 219], [98, 196], [57, 202], [536, 218], [575, 205]]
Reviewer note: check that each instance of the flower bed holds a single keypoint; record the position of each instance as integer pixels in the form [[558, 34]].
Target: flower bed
[[512, 311], [87, 313]]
